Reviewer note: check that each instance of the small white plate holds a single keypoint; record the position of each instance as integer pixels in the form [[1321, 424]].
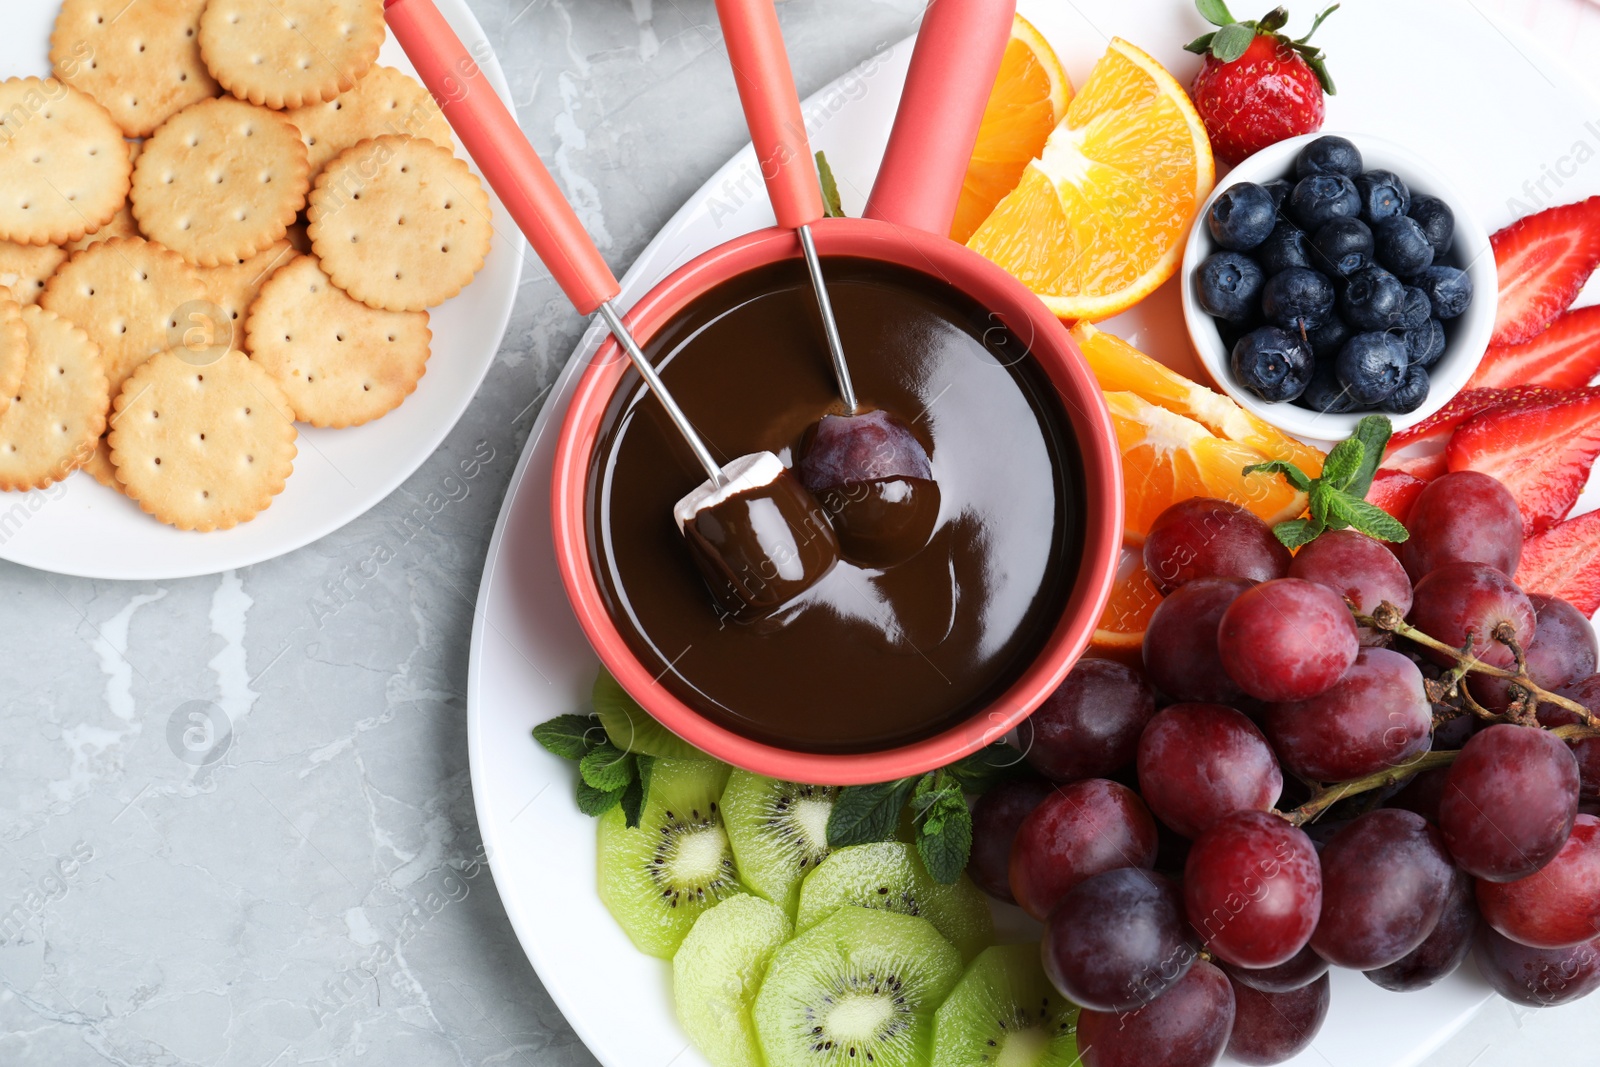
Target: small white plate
[[530, 661], [80, 527]]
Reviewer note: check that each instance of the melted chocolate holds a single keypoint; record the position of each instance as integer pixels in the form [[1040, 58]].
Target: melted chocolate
[[867, 658]]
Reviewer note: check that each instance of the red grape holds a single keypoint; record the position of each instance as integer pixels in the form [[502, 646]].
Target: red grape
[[1442, 951], [1537, 977], [1080, 830], [1359, 568], [1089, 727], [1117, 940], [1199, 762], [1206, 538], [1252, 889], [1303, 968], [1464, 517], [1557, 905], [995, 818], [1587, 750], [1188, 1026], [1385, 881], [1287, 639], [1509, 801], [1562, 650], [1180, 641], [1376, 716], [1423, 792], [1462, 600], [1273, 1027]]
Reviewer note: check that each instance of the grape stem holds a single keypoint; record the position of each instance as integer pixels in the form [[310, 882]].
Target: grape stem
[[1388, 618], [1327, 796]]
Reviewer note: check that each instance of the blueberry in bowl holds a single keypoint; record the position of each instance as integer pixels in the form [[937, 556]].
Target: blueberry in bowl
[[1372, 290]]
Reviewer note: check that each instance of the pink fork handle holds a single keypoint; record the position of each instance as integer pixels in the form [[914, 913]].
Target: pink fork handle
[[492, 137], [952, 73], [771, 109]]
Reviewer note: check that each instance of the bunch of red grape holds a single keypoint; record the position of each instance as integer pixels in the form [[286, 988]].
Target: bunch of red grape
[[1196, 868]]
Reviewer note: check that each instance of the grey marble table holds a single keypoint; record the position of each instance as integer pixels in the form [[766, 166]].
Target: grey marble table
[[236, 820]]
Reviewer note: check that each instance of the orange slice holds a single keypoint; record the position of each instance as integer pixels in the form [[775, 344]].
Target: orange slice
[[1099, 219], [1029, 97], [1118, 365], [1167, 458], [1134, 597]]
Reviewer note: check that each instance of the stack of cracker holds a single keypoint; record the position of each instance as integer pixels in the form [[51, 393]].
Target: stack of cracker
[[212, 228]]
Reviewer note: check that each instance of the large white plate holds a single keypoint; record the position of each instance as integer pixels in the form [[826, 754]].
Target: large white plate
[[80, 527], [530, 662]]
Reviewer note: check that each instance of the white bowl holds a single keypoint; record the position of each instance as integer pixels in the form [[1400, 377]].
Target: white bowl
[[1466, 337]]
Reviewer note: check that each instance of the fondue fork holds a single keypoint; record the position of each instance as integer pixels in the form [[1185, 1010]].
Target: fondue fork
[[783, 152]]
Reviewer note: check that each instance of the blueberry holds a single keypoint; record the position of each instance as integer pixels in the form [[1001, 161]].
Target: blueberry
[[1229, 286], [1373, 300], [1343, 246], [1401, 245], [1327, 339], [1416, 310], [1449, 289], [1425, 344], [1437, 221], [1383, 195], [1371, 366], [1411, 394], [1328, 155], [1279, 189], [1322, 198], [1286, 246], [1324, 393], [1298, 299], [1272, 363], [1242, 216]]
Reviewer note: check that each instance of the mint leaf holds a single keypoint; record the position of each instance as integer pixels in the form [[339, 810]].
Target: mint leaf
[[866, 813], [926, 792], [607, 768], [632, 801], [1370, 519], [596, 802], [944, 840], [1373, 433], [832, 207], [1296, 476], [569, 736], [644, 767], [1343, 463], [1297, 532], [1231, 41], [1319, 505], [987, 768], [1215, 12]]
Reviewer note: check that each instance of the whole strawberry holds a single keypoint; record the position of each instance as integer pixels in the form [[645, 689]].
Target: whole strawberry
[[1257, 87]]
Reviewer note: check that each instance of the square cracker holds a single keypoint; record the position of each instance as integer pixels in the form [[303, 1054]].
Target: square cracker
[[141, 60]]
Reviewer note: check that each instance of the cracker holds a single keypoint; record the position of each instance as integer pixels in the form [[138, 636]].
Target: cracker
[[141, 60], [290, 53], [202, 448], [220, 181], [63, 166], [99, 466], [233, 288], [122, 224], [13, 348], [400, 223], [24, 269], [340, 362], [385, 101], [132, 296], [58, 411]]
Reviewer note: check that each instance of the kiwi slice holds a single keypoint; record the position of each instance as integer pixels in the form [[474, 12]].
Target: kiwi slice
[[859, 988], [631, 728], [889, 875], [1005, 1012], [658, 877], [716, 972], [779, 832]]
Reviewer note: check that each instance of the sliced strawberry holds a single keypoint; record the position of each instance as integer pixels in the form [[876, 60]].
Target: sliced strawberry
[[1542, 449], [1565, 356], [1395, 491], [1465, 404], [1423, 468], [1542, 261], [1564, 561]]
